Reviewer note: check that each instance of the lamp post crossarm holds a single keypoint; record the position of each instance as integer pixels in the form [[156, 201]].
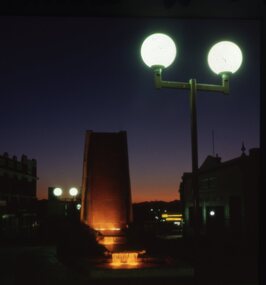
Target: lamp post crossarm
[[175, 84], [210, 87], [159, 83], [224, 88]]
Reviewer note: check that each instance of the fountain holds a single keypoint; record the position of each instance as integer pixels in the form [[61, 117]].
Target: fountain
[[124, 258], [118, 252]]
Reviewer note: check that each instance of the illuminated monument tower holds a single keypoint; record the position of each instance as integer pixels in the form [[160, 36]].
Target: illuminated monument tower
[[106, 195]]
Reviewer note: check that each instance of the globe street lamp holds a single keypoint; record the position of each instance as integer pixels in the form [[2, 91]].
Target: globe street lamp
[[158, 51], [57, 192], [69, 204], [73, 191]]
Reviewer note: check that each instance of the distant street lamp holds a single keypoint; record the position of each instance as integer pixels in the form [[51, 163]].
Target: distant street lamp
[[69, 203], [73, 192], [158, 51], [58, 192]]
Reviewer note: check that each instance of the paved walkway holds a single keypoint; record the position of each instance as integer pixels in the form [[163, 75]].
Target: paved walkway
[[39, 265], [34, 265]]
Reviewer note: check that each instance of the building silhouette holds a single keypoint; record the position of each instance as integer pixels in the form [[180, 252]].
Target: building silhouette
[[228, 195], [18, 181], [106, 194]]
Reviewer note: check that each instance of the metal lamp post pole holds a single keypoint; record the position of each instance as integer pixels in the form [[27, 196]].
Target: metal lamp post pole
[[194, 154], [193, 86]]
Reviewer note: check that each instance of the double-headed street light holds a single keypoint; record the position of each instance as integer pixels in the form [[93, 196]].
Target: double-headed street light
[[73, 192], [69, 203], [158, 51]]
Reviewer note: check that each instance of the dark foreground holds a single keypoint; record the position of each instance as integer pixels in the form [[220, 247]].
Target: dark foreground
[[215, 262]]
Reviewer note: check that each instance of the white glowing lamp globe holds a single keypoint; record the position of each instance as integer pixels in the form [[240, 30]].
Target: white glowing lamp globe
[[158, 50], [73, 191], [225, 57], [58, 191]]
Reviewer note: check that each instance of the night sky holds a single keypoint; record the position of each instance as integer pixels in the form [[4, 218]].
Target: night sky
[[62, 76]]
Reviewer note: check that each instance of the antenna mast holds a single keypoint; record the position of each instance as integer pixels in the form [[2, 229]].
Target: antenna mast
[[213, 153]]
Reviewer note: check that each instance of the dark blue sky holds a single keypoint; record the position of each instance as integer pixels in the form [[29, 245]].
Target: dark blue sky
[[62, 76]]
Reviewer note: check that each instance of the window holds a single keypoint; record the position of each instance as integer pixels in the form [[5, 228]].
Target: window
[[207, 183]]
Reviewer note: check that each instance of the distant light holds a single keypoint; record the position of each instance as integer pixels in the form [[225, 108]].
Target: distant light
[[212, 213], [177, 223], [156, 217], [172, 215], [225, 57], [35, 224], [173, 219], [151, 210], [78, 206], [165, 211], [158, 50], [107, 240], [115, 229], [73, 191], [107, 229], [57, 191]]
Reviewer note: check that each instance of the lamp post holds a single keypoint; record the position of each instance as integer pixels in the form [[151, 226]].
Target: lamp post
[[158, 51], [57, 192], [73, 192]]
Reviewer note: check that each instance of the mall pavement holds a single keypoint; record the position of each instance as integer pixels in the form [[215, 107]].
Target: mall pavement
[[40, 265]]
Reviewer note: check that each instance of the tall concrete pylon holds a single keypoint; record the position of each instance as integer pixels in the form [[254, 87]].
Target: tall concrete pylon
[[106, 194]]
